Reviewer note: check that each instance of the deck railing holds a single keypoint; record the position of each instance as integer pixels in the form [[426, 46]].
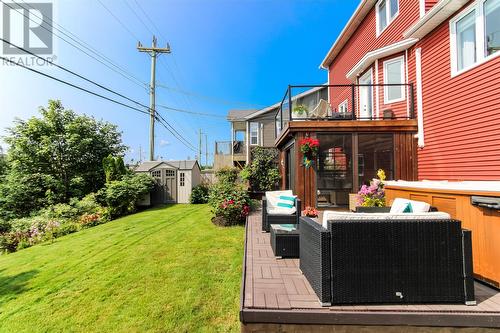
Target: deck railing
[[230, 147], [340, 102]]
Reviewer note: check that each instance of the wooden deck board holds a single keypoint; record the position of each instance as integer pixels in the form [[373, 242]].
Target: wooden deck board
[[277, 284]]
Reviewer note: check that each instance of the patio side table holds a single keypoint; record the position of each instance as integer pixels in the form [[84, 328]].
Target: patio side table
[[285, 240]]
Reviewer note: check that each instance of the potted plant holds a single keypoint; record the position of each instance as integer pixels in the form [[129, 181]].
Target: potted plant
[[310, 212], [309, 148], [300, 110], [373, 195]]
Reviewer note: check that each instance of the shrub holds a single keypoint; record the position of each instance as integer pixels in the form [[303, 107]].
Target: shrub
[[67, 228], [121, 197], [90, 220], [227, 175], [60, 211], [14, 240], [230, 203], [199, 194], [4, 226], [262, 173], [87, 205]]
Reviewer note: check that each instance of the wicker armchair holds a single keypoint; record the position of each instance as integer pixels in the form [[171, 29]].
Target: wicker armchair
[[268, 219], [387, 261]]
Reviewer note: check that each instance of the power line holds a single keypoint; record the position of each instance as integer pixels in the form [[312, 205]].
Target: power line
[[129, 77], [190, 112], [174, 132], [74, 86], [138, 17], [75, 74], [119, 21], [208, 98]]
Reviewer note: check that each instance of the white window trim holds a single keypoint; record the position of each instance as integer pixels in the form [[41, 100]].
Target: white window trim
[[403, 94], [388, 16], [250, 134], [344, 104], [480, 41]]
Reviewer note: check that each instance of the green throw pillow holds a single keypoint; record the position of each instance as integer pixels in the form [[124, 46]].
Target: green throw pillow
[[408, 208]]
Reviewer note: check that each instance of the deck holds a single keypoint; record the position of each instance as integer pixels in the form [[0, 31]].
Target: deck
[[274, 292]]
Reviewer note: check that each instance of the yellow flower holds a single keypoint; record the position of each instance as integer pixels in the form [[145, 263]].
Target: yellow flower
[[381, 174]]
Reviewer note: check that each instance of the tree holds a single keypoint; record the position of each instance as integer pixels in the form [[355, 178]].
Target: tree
[[114, 168], [65, 152], [3, 163], [263, 173]]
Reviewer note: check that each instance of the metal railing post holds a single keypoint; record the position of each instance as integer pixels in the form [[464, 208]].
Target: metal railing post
[[412, 102], [353, 101], [289, 103]]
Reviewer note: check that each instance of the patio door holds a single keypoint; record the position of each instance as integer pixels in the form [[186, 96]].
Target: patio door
[[366, 96]]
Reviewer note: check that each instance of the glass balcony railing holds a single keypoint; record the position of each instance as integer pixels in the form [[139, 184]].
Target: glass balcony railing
[[345, 102]]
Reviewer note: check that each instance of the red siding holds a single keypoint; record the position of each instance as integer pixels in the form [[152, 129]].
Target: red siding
[[365, 40], [400, 109], [429, 4], [461, 115]]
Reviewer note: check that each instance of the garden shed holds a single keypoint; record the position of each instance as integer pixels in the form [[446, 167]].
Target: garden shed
[[174, 180]]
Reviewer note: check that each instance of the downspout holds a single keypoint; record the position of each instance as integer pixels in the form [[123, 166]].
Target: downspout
[[377, 92], [420, 112], [247, 141]]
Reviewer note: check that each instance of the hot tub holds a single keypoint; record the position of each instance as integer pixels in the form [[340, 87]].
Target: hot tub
[[480, 216]]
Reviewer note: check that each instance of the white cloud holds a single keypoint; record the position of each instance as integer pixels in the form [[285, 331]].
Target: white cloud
[[164, 143]]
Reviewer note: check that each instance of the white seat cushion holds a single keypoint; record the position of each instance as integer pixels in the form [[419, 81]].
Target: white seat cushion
[[280, 202], [400, 204], [345, 216]]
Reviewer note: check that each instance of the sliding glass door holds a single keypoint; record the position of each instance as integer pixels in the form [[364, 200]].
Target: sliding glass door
[[334, 173]]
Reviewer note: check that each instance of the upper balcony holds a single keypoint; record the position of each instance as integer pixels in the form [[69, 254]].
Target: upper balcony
[[346, 102]]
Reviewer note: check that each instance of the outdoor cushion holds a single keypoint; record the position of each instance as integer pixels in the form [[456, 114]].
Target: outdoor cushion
[[280, 202], [345, 216], [400, 204]]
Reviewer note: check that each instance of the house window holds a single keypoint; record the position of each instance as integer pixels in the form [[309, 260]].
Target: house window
[[343, 107], [475, 35], [387, 10], [394, 74], [182, 177], [156, 174], [254, 133], [492, 26]]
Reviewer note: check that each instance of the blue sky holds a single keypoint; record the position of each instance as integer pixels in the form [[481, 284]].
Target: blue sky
[[239, 54]]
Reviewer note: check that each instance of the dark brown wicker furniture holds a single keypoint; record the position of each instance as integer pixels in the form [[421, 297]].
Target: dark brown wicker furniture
[[395, 261], [285, 242], [268, 219]]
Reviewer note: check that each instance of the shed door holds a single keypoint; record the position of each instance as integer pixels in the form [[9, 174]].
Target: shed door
[[170, 186], [185, 186]]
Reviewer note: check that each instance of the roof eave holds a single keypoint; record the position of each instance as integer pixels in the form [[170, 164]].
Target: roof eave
[[441, 11], [357, 17]]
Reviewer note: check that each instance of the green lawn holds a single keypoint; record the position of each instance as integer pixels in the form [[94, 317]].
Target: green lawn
[[161, 270]]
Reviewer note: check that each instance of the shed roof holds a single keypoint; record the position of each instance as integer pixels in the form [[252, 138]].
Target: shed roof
[[150, 165]]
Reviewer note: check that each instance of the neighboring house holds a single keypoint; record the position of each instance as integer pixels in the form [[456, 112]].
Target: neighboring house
[[252, 128], [413, 89], [174, 180]]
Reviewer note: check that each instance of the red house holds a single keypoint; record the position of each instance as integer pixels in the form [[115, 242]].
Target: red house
[[414, 88]]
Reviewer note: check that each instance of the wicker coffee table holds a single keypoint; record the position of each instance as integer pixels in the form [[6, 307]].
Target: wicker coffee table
[[285, 240]]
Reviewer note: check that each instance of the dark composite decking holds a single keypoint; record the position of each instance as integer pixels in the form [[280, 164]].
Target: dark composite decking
[[275, 291]]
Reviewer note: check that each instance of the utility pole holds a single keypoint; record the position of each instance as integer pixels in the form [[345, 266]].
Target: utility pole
[[206, 150], [153, 51], [199, 147]]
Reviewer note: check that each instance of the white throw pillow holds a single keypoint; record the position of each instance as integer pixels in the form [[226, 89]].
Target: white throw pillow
[[275, 205], [400, 204]]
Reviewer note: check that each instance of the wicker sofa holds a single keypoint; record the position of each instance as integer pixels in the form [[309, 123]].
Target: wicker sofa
[[268, 219], [400, 261]]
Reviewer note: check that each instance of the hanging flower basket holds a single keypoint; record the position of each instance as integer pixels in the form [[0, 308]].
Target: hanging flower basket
[[309, 148]]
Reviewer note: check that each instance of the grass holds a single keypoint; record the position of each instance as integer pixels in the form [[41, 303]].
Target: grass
[[162, 270]]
